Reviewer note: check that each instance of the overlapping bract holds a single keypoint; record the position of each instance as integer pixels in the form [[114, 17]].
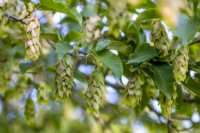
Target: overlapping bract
[[64, 80], [179, 58], [94, 93], [159, 37], [3, 2], [133, 91], [167, 104], [29, 111], [26, 9], [43, 91], [32, 44]]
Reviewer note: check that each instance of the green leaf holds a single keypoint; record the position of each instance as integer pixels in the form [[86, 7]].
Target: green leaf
[[186, 28], [79, 76], [61, 6], [72, 3], [73, 36], [136, 31], [120, 47], [192, 85], [24, 66], [112, 61], [102, 44], [143, 53], [90, 10], [163, 78], [148, 14], [49, 36], [141, 36], [114, 45], [62, 48]]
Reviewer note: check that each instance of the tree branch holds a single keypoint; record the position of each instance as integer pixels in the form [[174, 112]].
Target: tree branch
[[196, 41], [9, 16]]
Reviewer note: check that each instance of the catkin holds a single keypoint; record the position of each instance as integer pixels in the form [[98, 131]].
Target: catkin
[[159, 38], [133, 91], [64, 80], [179, 58], [167, 104], [29, 111], [116, 16], [94, 93], [32, 44], [91, 29]]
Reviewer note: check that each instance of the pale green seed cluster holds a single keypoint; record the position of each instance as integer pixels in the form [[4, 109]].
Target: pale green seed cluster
[[43, 91], [32, 44], [91, 30], [179, 58], [167, 104], [64, 80], [116, 16], [5, 75], [94, 93], [159, 37], [29, 111], [133, 91]]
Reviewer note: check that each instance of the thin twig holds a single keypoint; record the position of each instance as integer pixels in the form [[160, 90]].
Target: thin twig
[[196, 41], [45, 15], [169, 127], [15, 18], [180, 118], [70, 53], [51, 44], [27, 15]]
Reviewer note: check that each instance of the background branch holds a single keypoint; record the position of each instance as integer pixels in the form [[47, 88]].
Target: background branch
[[9, 16]]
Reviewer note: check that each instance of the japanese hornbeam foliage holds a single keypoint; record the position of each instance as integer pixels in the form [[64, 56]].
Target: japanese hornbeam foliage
[[99, 66]]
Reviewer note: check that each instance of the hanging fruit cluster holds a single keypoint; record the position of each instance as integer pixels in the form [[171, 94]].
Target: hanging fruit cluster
[[116, 16], [29, 111], [64, 80], [179, 58], [94, 93], [32, 44], [167, 104], [133, 92], [159, 38], [91, 29]]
